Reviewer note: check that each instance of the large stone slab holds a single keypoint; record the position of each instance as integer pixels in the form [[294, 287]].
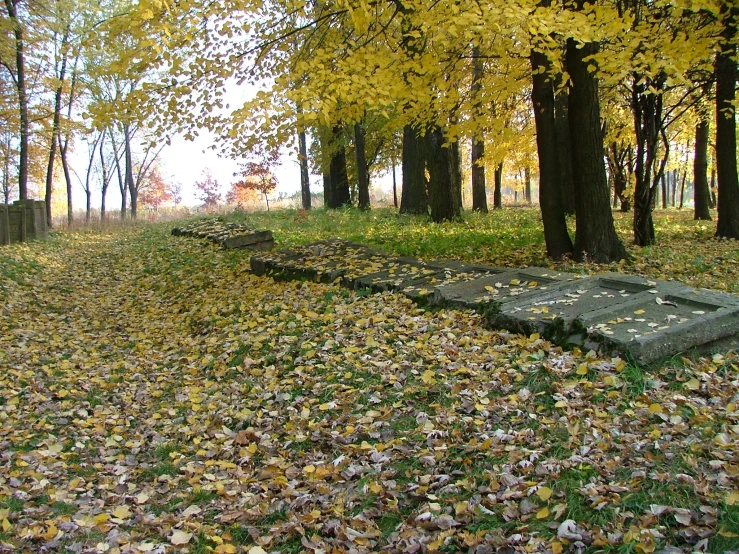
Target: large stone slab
[[500, 286], [651, 328], [554, 311], [227, 234]]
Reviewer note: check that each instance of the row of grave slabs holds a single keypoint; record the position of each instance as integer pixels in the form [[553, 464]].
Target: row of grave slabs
[[627, 315]]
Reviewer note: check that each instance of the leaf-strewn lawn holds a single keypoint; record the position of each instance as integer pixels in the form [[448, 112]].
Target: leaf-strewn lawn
[[157, 397]]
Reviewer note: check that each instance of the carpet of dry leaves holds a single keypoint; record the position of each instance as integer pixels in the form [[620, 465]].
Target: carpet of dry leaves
[[155, 396]]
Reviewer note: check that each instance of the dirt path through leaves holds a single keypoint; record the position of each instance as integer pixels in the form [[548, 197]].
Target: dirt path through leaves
[[157, 397]]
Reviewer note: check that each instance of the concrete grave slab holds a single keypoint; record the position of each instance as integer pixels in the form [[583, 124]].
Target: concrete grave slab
[[554, 312], [227, 234], [502, 285], [650, 328]]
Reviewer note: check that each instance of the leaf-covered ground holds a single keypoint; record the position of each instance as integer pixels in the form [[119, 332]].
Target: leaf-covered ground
[[157, 397]]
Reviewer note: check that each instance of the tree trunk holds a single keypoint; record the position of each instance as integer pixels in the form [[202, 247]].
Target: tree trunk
[[726, 163], [527, 183], [395, 187], [682, 188], [55, 129], [712, 188], [498, 187], [105, 178], [700, 168], [646, 106], [596, 238], [558, 242], [304, 177], [443, 196], [479, 194], [121, 182], [566, 186], [20, 85], [362, 174], [413, 197], [456, 169], [340, 195], [130, 184], [67, 177]]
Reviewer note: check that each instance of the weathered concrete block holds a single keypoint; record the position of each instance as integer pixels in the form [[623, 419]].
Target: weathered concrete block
[[501, 285]]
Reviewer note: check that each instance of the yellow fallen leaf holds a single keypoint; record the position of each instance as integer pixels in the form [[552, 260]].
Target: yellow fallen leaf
[[309, 469], [639, 312], [429, 377], [51, 532], [122, 512], [731, 498], [693, 384], [226, 549], [6, 524], [544, 493], [655, 408], [101, 518], [179, 538], [582, 369], [257, 550], [556, 547], [728, 534], [543, 513]]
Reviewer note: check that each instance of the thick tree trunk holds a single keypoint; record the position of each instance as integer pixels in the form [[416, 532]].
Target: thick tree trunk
[[646, 106], [362, 173], [596, 237], [304, 177], [498, 187], [395, 187], [340, 195], [456, 169], [479, 193], [413, 197], [558, 242], [20, 85], [67, 178], [443, 195], [712, 188], [105, 178], [726, 162], [566, 186], [130, 183]]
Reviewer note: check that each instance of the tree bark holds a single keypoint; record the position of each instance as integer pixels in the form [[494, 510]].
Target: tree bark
[[20, 85], [67, 178], [340, 195], [105, 178], [712, 188], [362, 173], [646, 106], [304, 177], [55, 127], [395, 187], [566, 186], [556, 237], [596, 238], [498, 187], [479, 194], [130, 183], [413, 196], [727, 225], [443, 194]]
